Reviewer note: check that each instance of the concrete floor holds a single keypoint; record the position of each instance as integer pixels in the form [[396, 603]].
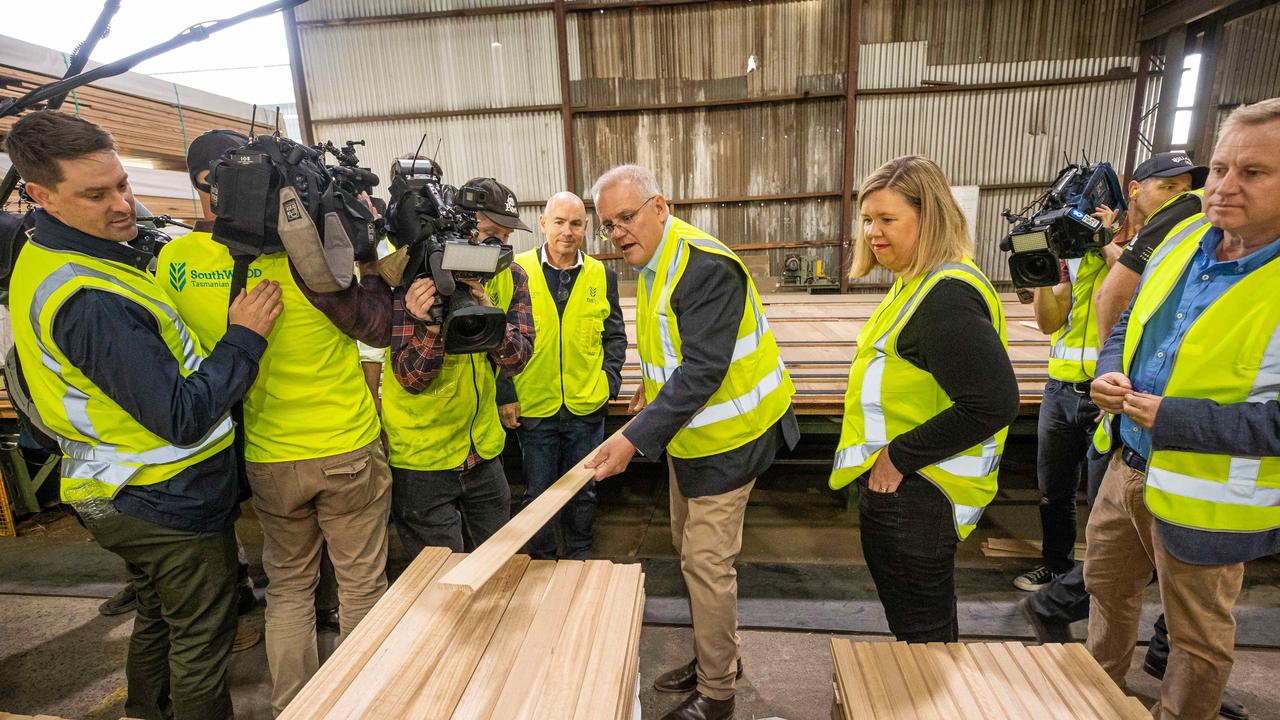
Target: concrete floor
[[801, 569]]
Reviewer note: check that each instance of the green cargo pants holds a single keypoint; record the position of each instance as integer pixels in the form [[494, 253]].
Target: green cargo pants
[[186, 617]]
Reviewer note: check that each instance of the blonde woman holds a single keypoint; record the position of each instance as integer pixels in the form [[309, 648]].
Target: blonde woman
[[930, 398]]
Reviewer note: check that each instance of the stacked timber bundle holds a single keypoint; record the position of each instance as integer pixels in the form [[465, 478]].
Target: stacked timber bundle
[[817, 338], [976, 680], [539, 639]]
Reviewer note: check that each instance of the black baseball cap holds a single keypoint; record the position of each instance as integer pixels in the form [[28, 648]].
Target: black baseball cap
[[205, 150], [1170, 164], [499, 203]]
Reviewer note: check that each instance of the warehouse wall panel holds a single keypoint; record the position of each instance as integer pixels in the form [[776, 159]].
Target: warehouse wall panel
[[319, 10]]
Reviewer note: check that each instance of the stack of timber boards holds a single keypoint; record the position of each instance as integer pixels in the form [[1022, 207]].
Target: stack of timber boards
[[817, 337], [974, 680], [539, 639]]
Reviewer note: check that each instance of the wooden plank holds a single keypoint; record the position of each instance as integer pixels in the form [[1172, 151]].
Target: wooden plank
[[628, 699], [434, 691], [895, 685], [1065, 686], [481, 693], [869, 670], [953, 678], [1080, 680], [607, 664], [995, 679], [337, 673], [986, 699], [415, 629], [938, 691], [1056, 705], [1094, 674], [572, 652], [917, 689], [1014, 680], [474, 571], [854, 700], [523, 683]]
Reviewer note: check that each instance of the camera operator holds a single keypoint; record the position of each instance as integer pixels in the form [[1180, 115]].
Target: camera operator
[[313, 454], [441, 413], [1067, 416], [139, 408]]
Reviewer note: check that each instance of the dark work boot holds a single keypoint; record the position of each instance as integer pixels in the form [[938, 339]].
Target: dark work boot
[[122, 602], [700, 707], [683, 679]]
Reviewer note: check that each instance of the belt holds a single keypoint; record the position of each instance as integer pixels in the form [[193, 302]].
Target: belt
[[1133, 459], [1079, 388]]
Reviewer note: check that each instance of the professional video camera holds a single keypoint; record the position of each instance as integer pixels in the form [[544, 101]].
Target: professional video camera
[[1060, 225], [353, 178], [275, 194], [435, 223]]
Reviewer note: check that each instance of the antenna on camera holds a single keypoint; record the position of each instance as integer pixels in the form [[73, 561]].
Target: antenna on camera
[[277, 133], [253, 122], [421, 142], [436, 154]]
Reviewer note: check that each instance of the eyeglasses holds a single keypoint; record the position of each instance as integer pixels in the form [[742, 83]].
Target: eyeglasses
[[566, 282], [624, 220]]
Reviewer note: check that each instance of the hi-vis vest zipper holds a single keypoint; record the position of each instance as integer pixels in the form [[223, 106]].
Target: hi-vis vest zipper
[[104, 448], [756, 391], [1231, 354], [888, 396]]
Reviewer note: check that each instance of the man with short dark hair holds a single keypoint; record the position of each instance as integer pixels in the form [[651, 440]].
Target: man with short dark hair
[[140, 410], [440, 410]]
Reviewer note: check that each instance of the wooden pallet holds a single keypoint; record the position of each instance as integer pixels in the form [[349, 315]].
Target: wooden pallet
[[1019, 548], [817, 338], [974, 680]]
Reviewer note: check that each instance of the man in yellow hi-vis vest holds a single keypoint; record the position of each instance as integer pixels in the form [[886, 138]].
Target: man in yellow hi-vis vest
[[561, 397], [314, 459], [716, 398], [140, 408], [1192, 370]]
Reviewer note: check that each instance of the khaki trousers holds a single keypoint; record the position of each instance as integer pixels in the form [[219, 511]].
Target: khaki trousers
[[1123, 550], [342, 501], [707, 533]]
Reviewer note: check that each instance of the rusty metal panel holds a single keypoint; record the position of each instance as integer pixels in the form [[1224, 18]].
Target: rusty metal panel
[[1248, 61], [906, 65], [340, 9], [431, 65], [746, 151], [524, 151], [707, 52], [996, 137]]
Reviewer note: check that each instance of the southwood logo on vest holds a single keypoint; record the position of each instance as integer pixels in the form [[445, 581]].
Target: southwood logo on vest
[[179, 275]]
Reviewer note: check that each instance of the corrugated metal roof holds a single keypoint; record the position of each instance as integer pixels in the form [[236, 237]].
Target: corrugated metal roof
[[431, 65], [724, 152], [704, 52], [996, 137], [1248, 59], [524, 152], [338, 9]]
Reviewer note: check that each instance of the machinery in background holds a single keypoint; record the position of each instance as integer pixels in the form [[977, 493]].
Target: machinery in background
[[804, 272]]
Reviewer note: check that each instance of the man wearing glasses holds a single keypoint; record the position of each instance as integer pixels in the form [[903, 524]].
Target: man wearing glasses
[[716, 399], [558, 403]]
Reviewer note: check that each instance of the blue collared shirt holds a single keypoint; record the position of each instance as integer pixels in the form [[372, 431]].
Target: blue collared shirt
[[650, 269], [1203, 281]]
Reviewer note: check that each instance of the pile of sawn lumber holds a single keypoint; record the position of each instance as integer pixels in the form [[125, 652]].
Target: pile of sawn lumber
[[974, 680], [538, 639]]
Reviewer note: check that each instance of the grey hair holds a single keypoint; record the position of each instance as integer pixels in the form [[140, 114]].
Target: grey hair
[[1258, 113], [640, 176]]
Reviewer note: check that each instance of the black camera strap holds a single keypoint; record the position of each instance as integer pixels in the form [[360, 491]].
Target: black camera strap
[[239, 279]]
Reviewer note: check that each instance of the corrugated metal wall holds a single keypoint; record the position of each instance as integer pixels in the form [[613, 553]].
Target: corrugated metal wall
[[1248, 61], [757, 171]]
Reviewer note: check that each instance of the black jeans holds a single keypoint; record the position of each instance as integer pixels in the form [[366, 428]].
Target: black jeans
[[1063, 435], [549, 447], [186, 617], [909, 542], [457, 509]]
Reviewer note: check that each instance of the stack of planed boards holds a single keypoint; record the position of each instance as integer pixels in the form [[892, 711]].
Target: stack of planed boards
[[538, 639], [993, 681]]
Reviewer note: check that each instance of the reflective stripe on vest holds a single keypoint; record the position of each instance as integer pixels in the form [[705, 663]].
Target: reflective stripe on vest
[[98, 460], [756, 371], [970, 474], [1073, 355]]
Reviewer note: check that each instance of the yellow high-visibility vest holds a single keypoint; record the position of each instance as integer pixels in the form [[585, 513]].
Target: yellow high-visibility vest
[[567, 367], [310, 399], [435, 429], [1230, 354], [104, 448], [888, 396], [756, 391], [1073, 350]]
